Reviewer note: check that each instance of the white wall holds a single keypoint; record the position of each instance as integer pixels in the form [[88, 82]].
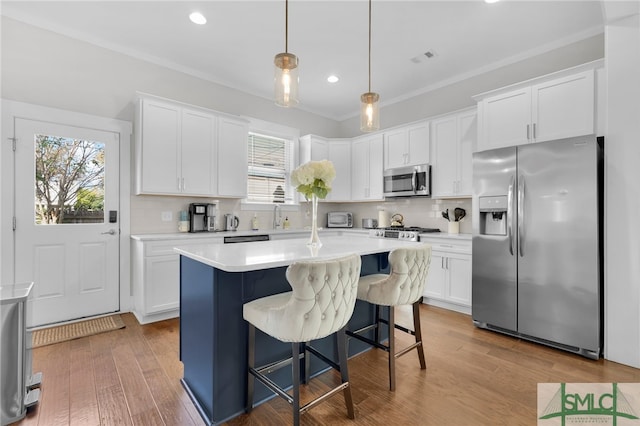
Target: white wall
[[45, 68], [622, 156]]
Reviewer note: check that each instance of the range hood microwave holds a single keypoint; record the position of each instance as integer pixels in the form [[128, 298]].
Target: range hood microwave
[[411, 181]]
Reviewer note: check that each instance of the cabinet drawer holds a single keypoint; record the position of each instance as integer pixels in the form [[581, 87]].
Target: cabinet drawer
[[163, 248], [448, 245]]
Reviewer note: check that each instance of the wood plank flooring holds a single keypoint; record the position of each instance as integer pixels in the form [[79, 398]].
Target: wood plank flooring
[[473, 377]]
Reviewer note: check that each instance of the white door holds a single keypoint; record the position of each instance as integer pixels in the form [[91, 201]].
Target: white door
[[67, 219]]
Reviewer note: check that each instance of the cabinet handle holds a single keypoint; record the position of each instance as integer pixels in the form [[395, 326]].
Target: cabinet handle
[[178, 183], [527, 132], [442, 263], [183, 187], [534, 130]]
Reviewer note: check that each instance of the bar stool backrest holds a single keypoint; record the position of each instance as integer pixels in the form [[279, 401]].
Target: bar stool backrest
[[324, 295], [405, 283]]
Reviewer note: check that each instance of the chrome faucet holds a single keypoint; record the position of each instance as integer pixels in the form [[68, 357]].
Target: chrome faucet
[[277, 216]]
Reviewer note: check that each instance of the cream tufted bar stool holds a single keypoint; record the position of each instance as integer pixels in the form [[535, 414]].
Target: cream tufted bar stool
[[321, 304], [403, 286]]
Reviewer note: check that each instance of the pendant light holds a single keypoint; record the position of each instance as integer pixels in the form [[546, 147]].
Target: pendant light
[[286, 71], [369, 108]]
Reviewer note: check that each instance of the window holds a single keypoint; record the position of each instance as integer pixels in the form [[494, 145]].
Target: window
[[270, 165]]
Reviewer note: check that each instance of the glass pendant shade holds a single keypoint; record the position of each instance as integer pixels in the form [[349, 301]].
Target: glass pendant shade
[[369, 112], [286, 79]]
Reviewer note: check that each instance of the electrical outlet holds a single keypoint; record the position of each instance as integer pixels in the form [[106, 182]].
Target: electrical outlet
[[167, 216]]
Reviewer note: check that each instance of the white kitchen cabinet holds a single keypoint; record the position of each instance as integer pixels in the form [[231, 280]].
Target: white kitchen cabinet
[[338, 151], [366, 168], [453, 139], [407, 145], [175, 149], [186, 150], [232, 157], [155, 270], [552, 107], [449, 279]]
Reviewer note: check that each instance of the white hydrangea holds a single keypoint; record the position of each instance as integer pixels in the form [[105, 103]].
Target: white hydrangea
[[314, 177]]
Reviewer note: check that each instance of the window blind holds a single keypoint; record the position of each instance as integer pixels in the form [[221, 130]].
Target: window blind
[[270, 165]]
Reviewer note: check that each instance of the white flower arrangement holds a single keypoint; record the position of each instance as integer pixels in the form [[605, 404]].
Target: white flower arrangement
[[314, 177]]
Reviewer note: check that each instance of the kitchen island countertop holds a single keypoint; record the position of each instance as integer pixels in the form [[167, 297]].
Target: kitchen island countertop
[[271, 254]]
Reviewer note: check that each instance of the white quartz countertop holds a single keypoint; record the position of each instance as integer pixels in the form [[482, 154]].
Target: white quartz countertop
[[220, 234], [242, 257]]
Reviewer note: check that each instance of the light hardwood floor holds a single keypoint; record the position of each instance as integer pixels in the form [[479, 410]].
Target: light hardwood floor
[[473, 377]]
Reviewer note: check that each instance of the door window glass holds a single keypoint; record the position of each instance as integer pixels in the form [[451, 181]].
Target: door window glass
[[69, 180]]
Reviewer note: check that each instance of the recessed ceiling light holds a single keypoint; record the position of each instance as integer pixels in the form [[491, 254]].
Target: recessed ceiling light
[[333, 79], [491, 1], [198, 18]]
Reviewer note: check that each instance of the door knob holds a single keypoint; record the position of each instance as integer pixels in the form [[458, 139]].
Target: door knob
[[110, 232]]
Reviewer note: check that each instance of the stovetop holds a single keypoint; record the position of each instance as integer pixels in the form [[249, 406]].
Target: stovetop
[[406, 233]]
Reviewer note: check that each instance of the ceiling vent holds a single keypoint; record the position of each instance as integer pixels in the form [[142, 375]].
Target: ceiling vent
[[429, 54]]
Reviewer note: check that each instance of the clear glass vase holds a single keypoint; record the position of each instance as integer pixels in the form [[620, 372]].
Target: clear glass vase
[[314, 239]]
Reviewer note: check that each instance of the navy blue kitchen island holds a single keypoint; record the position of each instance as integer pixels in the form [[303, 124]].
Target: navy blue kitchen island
[[216, 280]]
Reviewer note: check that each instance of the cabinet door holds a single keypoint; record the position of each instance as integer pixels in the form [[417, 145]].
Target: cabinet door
[[376, 188], [319, 149], [467, 137], [198, 153], [366, 169], [445, 151], [232, 157], [506, 119], [395, 148], [459, 280], [436, 278], [162, 283], [563, 107], [159, 153], [418, 144], [340, 155], [360, 170]]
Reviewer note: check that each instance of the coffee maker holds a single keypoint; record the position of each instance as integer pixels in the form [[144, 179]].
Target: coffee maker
[[197, 217], [212, 215]]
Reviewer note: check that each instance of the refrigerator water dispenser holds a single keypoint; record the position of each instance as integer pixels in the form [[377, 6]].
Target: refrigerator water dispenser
[[493, 215]]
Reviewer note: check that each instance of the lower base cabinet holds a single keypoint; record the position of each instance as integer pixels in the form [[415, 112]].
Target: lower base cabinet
[[449, 279], [156, 278]]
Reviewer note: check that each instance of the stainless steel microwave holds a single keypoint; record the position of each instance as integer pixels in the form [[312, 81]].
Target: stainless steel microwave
[[339, 220], [411, 181]]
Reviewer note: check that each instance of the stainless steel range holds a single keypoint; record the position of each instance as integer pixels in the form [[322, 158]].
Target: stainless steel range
[[405, 233]]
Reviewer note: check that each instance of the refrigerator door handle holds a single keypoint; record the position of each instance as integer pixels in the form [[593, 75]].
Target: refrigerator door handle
[[521, 196], [509, 214]]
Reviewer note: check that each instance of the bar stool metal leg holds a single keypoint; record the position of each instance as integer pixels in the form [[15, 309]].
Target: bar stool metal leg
[[295, 370], [251, 364]]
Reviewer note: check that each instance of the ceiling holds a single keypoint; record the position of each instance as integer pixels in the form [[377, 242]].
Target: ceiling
[[237, 45]]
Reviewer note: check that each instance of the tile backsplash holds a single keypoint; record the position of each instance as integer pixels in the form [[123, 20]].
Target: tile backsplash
[[159, 214]]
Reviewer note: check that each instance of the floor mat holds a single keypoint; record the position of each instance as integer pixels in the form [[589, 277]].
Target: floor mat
[[61, 333]]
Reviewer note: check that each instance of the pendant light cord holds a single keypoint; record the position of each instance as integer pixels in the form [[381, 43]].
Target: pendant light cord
[[286, 26], [369, 46]]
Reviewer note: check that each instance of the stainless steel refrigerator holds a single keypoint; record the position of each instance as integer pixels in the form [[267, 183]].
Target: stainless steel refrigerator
[[537, 242]]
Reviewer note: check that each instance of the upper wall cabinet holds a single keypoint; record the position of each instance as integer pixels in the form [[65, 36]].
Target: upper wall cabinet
[[552, 107], [177, 150], [338, 151], [406, 146], [232, 157], [453, 140], [366, 168]]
